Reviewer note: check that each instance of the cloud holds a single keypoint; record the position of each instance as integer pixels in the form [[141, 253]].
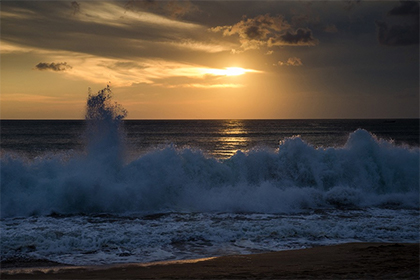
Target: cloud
[[104, 29], [266, 31], [397, 35], [406, 8], [62, 66], [7, 48], [292, 61], [154, 72], [180, 8], [192, 45], [351, 4], [173, 9], [200, 85], [76, 7], [204, 79], [401, 34], [301, 37]]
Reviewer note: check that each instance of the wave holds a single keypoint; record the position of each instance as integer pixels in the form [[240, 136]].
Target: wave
[[365, 172]]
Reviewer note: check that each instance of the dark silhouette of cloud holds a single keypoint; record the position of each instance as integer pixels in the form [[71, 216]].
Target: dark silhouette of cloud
[[397, 35], [257, 28], [62, 66], [406, 8], [300, 37], [268, 31], [76, 7], [403, 34]]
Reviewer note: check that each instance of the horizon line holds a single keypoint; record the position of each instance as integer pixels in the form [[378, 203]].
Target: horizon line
[[209, 119]]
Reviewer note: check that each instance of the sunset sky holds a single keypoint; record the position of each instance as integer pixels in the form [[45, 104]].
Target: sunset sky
[[211, 59]]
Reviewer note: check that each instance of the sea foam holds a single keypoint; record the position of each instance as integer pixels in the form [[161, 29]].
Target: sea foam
[[365, 172]]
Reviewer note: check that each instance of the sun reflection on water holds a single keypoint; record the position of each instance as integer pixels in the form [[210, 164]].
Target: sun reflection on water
[[233, 137]]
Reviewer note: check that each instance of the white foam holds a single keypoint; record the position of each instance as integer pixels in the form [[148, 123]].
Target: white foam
[[105, 239], [365, 172]]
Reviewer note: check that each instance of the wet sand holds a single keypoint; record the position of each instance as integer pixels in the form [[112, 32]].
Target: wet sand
[[346, 261]]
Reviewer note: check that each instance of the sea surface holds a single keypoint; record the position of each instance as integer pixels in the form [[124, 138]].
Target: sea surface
[[107, 190]]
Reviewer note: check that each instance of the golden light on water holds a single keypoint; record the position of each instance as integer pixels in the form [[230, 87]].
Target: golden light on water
[[233, 138]]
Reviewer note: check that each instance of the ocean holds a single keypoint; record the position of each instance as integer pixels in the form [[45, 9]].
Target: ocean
[[107, 190]]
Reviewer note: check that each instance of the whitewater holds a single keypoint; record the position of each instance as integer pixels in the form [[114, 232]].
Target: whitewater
[[104, 205]]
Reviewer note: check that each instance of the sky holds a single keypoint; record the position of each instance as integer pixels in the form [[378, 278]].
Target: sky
[[211, 59]]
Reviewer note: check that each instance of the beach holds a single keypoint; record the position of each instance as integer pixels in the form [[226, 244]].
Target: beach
[[344, 261]]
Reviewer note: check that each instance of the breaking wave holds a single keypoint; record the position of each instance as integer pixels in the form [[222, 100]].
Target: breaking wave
[[365, 172]]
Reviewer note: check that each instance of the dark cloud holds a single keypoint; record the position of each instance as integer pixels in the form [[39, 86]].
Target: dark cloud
[[401, 34], [173, 9], [178, 9], [259, 27], [267, 31], [351, 4], [62, 66], [302, 37], [254, 33], [406, 8], [76, 7], [99, 29], [397, 35]]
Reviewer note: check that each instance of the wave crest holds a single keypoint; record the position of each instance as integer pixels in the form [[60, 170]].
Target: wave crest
[[365, 172]]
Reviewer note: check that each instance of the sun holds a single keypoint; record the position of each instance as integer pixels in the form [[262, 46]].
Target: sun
[[234, 71], [228, 71]]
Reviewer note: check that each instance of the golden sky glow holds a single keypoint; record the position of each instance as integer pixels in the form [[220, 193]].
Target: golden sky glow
[[228, 71], [204, 59]]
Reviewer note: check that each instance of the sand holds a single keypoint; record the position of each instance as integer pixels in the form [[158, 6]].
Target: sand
[[346, 261]]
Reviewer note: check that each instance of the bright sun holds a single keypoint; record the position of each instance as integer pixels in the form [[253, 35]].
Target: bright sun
[[228, 71], [234, 71]]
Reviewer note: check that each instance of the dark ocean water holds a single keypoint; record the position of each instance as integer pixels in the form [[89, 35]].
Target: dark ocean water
[[104, 191], [217, 138]]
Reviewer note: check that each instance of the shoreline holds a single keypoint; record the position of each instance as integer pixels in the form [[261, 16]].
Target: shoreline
[[344, 261]]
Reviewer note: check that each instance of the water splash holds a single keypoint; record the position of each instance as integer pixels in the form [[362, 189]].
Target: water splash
[[104, 136], [99, 107], [365, 172]]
